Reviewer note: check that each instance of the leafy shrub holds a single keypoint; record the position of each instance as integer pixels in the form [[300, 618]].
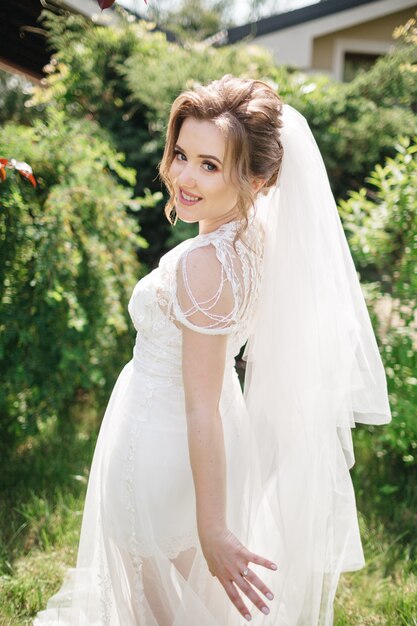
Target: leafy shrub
[[354, 131], [391, 82], [381, 222], [14, 95], [67, 265]]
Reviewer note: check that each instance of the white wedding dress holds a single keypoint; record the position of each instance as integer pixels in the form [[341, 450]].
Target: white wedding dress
[[139, 561], [288, 444]]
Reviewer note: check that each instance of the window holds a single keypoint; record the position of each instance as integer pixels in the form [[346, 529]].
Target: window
[[356, 61]]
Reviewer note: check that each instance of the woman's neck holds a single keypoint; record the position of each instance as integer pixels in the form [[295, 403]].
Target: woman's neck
[[209, 225]]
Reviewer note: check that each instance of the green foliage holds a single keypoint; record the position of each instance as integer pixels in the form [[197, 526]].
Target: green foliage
[[195, 19], [385, 591], [179, 68], [14, 95], [354, 131], [391, 82], [86, 79], [382, 225], [43, 491], [67, 266], [356, 124]]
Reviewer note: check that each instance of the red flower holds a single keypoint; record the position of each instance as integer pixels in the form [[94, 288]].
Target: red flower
[[106, 4], [23, 168], [3, 163]]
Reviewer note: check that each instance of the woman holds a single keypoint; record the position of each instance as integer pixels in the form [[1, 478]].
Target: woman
[[200, 503]]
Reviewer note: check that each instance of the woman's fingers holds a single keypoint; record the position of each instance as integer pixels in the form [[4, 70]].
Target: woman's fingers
[[250, 592], [260, 560], [245, 585], [236, 599], [259, 584], [248, 581], [224, 554]]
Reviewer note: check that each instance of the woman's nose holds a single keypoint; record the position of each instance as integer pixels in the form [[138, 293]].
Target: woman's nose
[[186, 176]]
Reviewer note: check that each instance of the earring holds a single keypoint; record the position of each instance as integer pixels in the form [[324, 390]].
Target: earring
[[173, 218]]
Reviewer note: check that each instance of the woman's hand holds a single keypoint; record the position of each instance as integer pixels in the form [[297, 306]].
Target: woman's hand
[[227, 559]]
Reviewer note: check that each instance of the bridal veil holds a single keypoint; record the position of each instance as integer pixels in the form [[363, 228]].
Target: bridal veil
[[313, 371]]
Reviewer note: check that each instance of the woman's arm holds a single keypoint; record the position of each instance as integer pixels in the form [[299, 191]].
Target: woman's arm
[[203, 361], [203, 369]]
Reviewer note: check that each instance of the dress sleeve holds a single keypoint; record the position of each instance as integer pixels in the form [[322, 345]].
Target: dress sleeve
[[204, 297]]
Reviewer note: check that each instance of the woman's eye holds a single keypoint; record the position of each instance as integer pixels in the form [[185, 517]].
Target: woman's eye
[[210, 167], [180, 156]]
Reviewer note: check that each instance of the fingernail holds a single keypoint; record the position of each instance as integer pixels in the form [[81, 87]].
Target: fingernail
[[248, 617], [269, 595], [265, 610], [273, 566]]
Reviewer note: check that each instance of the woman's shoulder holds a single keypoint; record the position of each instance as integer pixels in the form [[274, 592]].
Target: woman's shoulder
[[230, 241], [212, 277]]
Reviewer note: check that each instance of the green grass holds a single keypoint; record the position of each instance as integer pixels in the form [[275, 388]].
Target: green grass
[[41, 511], [43, 489], [384, 593]]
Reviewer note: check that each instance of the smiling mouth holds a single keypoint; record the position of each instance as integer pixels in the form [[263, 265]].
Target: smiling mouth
[[188, 198]]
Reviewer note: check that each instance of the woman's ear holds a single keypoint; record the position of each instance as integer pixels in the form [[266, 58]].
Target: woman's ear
[[257, 184]]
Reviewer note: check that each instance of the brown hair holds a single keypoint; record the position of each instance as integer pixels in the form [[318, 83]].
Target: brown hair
[[248, 112]]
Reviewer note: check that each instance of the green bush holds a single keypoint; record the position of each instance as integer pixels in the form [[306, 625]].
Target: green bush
[[356, 124], [14, 95], [354, 132], [381, 222], [67, 266], [391, 82]]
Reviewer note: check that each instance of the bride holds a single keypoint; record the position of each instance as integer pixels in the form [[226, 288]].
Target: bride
[[206, 505]]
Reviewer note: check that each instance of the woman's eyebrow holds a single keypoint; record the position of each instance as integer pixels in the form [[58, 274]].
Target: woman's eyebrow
[[209, 156], [201, 156]]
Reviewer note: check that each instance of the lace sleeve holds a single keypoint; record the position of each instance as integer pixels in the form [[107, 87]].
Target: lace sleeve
[[203, 296]]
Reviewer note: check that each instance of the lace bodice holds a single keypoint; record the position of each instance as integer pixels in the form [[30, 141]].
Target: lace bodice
[[208, 284]]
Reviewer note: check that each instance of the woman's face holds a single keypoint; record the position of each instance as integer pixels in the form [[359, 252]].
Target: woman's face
[[203, 188]]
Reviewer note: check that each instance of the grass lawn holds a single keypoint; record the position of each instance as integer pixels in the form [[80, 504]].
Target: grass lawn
[[41, 516]]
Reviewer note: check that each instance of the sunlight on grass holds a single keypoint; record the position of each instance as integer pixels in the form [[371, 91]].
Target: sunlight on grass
[[369, 597], [41, 520], [49, 544], [35, 578], [41, 514], [384, 592]]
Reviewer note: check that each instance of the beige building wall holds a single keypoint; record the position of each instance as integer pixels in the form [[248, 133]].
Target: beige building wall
[[378, 30]]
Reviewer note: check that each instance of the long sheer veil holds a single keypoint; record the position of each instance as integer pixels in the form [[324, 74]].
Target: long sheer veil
[[313, 370]]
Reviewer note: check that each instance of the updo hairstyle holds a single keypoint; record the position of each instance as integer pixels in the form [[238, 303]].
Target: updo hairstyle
[[248, 112]]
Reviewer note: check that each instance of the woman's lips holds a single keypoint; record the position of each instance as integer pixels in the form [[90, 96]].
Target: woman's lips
[[188, 199]]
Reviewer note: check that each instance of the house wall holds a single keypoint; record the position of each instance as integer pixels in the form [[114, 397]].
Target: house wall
[[370, 33], [295, 45]]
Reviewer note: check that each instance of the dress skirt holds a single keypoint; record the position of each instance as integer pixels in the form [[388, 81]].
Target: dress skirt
[[139, 560]]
